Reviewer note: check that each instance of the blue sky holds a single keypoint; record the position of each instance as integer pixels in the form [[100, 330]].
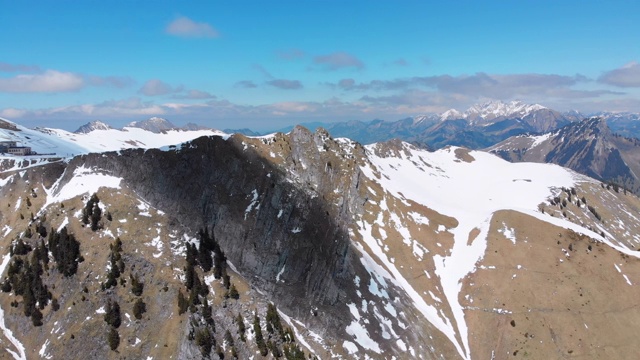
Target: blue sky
[[263, 65]]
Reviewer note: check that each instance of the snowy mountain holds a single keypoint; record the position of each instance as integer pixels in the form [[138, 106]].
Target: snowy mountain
[[55, 143], [378, 251], [91, 126], [154, 124], [451, 114], [480, 126], [488, 112], [588, 147]]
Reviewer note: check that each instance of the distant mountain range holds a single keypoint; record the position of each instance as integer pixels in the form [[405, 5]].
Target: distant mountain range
[[155, 125], [187, 244], [480, 126], [588, 147]]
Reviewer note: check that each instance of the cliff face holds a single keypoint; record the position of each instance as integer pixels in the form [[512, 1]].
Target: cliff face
[[262, 219]]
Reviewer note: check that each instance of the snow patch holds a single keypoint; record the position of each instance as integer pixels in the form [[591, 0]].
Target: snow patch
[[362, 337], [253, 204], [508, 232], [84, 181], [350, 347], [280, 274]]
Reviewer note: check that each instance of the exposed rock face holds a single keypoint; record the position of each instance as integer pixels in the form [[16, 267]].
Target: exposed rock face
[[587, 147]]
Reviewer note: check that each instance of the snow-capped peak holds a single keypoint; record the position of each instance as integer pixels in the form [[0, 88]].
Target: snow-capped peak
[[451, 114], [91, 126], [495, 109], [154, 124]]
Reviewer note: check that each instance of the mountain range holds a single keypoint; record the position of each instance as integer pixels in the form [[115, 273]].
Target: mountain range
[[153, 124], [588, 147], [365, 251], [480, 126], [164, 243]]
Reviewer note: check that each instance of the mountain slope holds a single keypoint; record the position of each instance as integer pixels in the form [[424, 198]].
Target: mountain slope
[[378, 251], [56, 144], [588, 147]]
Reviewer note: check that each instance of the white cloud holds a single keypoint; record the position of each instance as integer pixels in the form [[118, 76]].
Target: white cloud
[[285, 84], [291, 54], [49, 81], [338, 60], [195, 95], [626, 76], [185, 27], [156, 87], [6, 67], [11, 113]]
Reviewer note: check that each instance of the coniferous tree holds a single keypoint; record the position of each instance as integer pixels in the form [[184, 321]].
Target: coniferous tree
[[96, 215], [36, 317], [273, 319], [288, 337], [42, 230], [206, 312], [219, 263], [233, 292], [228, 338], [273, 348], [257, 329], [204, 253], [139, 308], [113, 338], [183, 303], [241, 327], [6, 286], [137, 286], [293, 352], [54, 304], [205, 341], [65, 250], [112, 314], [21, 248]]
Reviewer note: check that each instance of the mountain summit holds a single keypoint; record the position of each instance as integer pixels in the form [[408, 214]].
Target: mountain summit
[[154, 124], [91, 126]]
